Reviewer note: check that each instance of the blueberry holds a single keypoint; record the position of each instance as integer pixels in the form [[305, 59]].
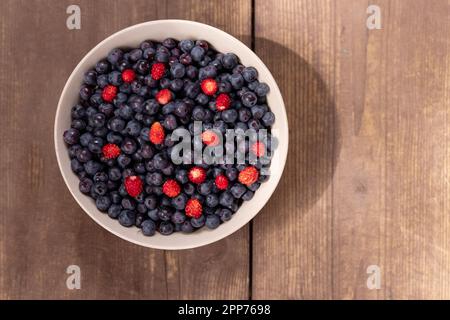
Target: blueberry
[[123, 160], [250, 74], [115, 78], [102, 67], [258, 111], [186, 45], [205, 188], [78, 112], [151, 202], [100, 177], [198, 222], [176, 85], [198, 113], [226, 199], [151, 107], [178, 217], [92, 167], [114, 211], [249, 99], [191, 72], [169, 170], [181, 109], [229, 60], [128, 146], [237, 81], [255, 186], [165, 213], [182, 176], [212, 221], [100, 188], [103, 203], [160, 161], [116, 124], [241, 126], [162, 56], [115, 55], [114, 174], [125, 112], [186, 227], [142, 67], [148, 228], [209, 71], [98, 120], [154, 179], [113, 137], [238, 69], [71, 136], [262, 89], [146, 151], [177, 70], [225, 214], [149, 53], [189, 188], [224, 87], [238, 190], [74, 150], [127, 218], [153, 214], [268, 119], [254, 124], [123, 65], [229, 116], [116, 198], [135, 55], [128, 203], [170, 122], [179, 202], [248, 195], [191, 89], [95, 145], [133, 128], [102, 80], [164, 83], [166, 228], [202, 99], [197, 53], [206, 60], [85, 185], [212, 200], [106, 108]]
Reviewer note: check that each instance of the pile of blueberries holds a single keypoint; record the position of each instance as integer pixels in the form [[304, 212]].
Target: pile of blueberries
[[110, 137]]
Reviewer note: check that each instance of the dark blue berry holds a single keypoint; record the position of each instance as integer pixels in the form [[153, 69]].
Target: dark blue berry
[[197, 53], [166, 228], [268, 119], [148, 228], [229, 60], [115, 55], [71, 136], [103, 203], [198, 222], [212, 221], [250, 74], [127, 218], [186, 227]]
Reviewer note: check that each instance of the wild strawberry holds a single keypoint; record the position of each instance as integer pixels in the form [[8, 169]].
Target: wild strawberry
[[156, 134], [133, 185], [164, 96], [110, 151], [109, 93], [222, 102], [248, 176], [210, 138], [193, 208], [197, 175], [171, 188], [209, 86], [221, 182], [158, 70], [258, 149], [128, 75]]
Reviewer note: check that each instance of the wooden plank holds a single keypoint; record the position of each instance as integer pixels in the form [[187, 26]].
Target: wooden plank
[[42, 229], [387, 204], [292, 238]]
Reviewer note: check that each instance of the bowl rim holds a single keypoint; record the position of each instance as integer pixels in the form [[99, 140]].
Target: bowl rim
[[213, 237]]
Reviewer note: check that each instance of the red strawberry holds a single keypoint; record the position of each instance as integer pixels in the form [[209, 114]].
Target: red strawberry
[[221, 182], [110, 151], [210, 138], [209, 86], [133, 185], [171, 188], [156, 134], [109, 93], [158, 70], [258, 149], [223, 102], [128, 75], [193, 208], [164, 96], [197, 175], [248, 176]]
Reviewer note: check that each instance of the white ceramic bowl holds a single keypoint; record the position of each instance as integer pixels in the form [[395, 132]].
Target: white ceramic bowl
[[158, 30]]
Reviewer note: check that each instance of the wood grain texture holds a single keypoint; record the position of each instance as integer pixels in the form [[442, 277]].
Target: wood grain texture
[[387, 203], [42, 228]]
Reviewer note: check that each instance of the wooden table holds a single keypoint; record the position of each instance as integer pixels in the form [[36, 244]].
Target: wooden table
[[367, 180]]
